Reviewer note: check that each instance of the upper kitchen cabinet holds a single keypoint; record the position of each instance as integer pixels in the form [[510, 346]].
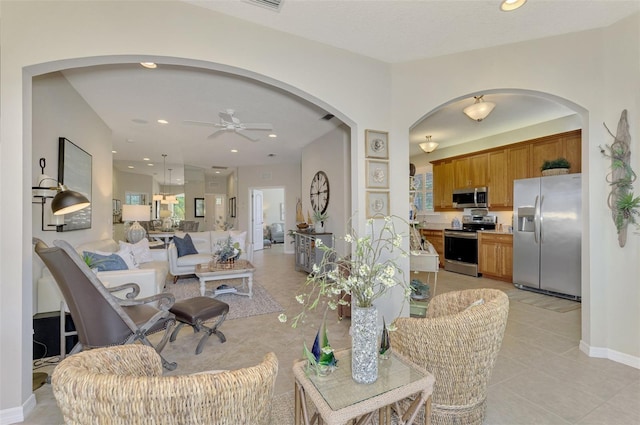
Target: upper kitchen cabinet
[[500, 194], [497, 168], [564, 145], [443, 185], [470, 171]]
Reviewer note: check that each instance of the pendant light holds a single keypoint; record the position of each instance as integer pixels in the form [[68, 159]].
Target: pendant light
[[160, 196], [480, 109], [428, 146], [170, 199]]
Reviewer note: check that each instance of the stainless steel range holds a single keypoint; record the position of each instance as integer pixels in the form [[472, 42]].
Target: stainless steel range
[[461, 245]]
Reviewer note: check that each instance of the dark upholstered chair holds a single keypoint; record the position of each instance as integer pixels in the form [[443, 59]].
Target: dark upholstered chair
[[101, 319]]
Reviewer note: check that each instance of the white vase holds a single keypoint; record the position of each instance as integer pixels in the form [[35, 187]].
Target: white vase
[[319, 228], [364, 345]]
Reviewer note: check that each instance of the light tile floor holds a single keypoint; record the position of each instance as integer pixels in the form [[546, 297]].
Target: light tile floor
[[541, 376]]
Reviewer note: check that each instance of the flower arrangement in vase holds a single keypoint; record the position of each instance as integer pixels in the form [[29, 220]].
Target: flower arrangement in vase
[[369, 273], [228, 251]]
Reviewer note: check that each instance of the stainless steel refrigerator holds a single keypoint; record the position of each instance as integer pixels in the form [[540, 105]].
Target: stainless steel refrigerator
[[547, 234]]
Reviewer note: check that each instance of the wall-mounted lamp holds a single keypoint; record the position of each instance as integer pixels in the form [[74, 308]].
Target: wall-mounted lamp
[[65, 201], [428, 146], [480, 109]]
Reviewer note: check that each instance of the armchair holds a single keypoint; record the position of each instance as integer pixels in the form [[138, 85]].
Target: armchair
[[458, 342], [101, 319], [125, 385]]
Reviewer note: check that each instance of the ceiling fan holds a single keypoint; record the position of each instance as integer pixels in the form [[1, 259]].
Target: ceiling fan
[[228, 122]]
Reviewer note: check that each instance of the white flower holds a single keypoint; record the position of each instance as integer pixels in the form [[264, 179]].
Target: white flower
[[348, 238], [300, 298], [282, 317], [387, 219], [318, 242], [315, 269]]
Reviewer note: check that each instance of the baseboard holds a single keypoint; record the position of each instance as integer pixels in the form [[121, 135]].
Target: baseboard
[[18, 414], [606, 353]]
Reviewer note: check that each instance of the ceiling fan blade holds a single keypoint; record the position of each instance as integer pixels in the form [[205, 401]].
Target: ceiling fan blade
[[215, 133], [258, 126], [202, 123], [241, 133]]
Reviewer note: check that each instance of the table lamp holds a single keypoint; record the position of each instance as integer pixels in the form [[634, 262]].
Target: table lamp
[[135, 213]]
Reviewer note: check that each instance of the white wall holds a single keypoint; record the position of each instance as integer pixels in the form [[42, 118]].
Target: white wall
[[59, 111], [587, 68], [286, 176], [132, 182], [331, 154], [272, 198], [596, 73]]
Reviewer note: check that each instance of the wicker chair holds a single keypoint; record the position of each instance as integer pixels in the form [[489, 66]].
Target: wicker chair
[[124, 385], [458, 341]]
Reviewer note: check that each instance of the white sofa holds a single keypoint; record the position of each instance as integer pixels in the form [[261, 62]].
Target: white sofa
[[206, 243], [150, 276]]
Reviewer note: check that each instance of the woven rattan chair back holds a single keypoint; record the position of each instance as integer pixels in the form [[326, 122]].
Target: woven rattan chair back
[[458, 342], [124, 385]]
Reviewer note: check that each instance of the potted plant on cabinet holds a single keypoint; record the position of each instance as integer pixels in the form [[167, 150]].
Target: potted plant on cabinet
[[319, 218], [555, 167]]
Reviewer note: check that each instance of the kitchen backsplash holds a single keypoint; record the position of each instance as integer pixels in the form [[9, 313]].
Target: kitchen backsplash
[[445, 218]]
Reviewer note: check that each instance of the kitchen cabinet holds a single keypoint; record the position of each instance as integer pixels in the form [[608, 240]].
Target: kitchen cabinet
[[306, 251], [442, 185], [470, 171], [436, 237], [495, 255], [500, 194], [521, 160]]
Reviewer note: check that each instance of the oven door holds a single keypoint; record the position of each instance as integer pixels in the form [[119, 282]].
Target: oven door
[[461, 246]]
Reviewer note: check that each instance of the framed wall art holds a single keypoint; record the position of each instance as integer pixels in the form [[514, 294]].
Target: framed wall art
[[377, 174], [74, 171], [377, 204], [377, 144], [198, 207]]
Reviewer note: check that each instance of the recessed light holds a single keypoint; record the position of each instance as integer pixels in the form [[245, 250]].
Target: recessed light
[[217, 172], [146, 159], [150, 164], [271, 155], [163, 122], [234, 150], [131, 166], [509, 5], [114, 151], [150, 65], [273, 135]]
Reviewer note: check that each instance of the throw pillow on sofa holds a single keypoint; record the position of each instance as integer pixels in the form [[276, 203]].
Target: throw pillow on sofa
[[105, 263], [184, 246], [141, 251]]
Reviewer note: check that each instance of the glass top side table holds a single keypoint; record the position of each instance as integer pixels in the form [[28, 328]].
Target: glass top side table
[[338, 398]]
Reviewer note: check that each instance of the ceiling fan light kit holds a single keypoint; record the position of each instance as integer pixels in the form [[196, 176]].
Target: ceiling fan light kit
[[480, 109]]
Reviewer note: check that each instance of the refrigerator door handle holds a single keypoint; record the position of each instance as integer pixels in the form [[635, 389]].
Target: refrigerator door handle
[[536, 217], [541, 220]]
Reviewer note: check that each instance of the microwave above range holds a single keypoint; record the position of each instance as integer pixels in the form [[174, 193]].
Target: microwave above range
[[475, 197]]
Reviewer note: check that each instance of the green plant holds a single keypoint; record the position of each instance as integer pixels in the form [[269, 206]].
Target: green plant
[[628, 207], [555, 163], [367, 274], [228, 250], [319, 216]]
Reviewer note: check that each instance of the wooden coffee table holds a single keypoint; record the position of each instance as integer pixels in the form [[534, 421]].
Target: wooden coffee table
[[241, 269]]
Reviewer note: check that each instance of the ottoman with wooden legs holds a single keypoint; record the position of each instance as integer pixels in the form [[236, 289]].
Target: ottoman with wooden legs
[[194, 312]]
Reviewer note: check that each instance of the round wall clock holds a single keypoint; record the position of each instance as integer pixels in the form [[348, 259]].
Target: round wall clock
[[319, 192]]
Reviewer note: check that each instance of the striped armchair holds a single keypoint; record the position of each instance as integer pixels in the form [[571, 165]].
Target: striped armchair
[[124, 385], [458, 342]]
